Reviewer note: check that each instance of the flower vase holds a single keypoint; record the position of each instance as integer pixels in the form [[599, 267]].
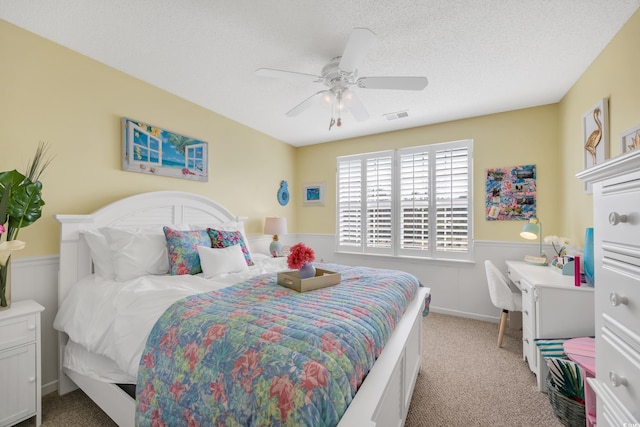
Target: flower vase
[[307, 271], [5, 286], [588, 257]]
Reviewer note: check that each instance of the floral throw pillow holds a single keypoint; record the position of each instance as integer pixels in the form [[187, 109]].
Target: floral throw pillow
[[223, 239], [183, 250]]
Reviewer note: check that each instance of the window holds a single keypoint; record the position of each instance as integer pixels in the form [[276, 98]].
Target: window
[[407, 202]]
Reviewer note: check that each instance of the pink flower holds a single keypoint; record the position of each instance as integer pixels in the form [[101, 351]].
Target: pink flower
[[282, 388], [300, 255], [2, 229], [313, 375], [217, 389]]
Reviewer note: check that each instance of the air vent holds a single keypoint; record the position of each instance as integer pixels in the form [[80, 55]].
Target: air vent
[[396, 115]]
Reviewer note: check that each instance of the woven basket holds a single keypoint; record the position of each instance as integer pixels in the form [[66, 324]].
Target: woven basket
[[568, 411]]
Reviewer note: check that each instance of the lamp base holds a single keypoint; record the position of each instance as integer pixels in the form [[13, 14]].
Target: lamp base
[[275, 248], [536, 260]]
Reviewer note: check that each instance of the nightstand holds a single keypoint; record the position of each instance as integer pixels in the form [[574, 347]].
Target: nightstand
[[20, 387]]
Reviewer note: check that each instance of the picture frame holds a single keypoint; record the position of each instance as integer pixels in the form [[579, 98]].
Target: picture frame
[[630, 139], [595, 136], [313, 194], [151, 150]]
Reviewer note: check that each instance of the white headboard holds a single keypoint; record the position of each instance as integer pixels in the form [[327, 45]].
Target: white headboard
[[157, 208]]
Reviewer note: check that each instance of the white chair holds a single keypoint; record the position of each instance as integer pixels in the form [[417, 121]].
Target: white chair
[[502, 296]]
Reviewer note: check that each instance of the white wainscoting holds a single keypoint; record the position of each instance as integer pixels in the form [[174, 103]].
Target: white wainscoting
[[458, 289]]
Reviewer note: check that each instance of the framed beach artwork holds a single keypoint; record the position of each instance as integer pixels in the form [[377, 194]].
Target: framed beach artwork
[[313, 194], [151, 150], [630, 139], [510, 193], [595, 136]]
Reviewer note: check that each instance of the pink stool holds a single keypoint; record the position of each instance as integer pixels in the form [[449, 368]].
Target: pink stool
[[583, 352]]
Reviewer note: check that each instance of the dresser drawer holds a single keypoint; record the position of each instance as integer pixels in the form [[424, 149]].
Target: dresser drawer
[[17, 330], [618, 213], [623, 291], [618, 368]]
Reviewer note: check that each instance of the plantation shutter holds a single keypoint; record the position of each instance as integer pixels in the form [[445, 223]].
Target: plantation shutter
[[414, 200], [349, 181], [379, 203], [452, 199]]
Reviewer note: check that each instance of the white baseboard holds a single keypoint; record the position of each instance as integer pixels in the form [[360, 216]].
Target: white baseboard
[[50, 387]]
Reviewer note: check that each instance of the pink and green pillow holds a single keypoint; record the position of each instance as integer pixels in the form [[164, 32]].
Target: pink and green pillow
[[223, 239]]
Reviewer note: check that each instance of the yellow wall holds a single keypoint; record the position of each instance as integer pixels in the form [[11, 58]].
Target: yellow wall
[[49, 93], [615, 75], [528, 136]]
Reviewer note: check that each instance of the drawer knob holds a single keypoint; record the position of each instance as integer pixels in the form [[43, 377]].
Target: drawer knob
[[526, 340], [616, 380], [525, 290], [526, 312], [31, 327], [32, 379], [615, 218], [616, 299]]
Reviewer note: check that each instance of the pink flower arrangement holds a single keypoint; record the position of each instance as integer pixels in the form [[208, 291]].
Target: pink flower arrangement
[[299, 255]]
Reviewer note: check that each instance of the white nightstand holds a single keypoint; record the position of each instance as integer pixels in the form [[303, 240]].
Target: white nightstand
[[20, 384]]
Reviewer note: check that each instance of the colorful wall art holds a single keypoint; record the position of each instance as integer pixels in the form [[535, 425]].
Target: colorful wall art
[[510, 193], [152, 150]]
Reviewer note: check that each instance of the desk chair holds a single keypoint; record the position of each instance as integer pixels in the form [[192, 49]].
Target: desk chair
[[502, 296]]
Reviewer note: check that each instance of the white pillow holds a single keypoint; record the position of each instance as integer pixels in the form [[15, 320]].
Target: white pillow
[[225, 226], [137, 252], [100, 253], [216, 261]]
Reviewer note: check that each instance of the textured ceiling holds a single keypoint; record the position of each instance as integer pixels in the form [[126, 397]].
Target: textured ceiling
[[480, 56]]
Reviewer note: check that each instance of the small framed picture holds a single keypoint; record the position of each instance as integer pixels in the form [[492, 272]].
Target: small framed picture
[[630, 139], [313, 194]]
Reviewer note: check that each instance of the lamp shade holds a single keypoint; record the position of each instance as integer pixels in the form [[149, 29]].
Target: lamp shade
[[275, 226], [530, 231]]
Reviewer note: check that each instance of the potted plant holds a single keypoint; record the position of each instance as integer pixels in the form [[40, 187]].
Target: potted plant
[[20, 206]]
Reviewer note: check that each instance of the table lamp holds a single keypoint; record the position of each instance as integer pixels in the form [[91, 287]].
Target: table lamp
[[533, 230], [275, 226]]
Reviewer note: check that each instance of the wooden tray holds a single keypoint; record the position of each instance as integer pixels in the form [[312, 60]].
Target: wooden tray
[[322, 279]]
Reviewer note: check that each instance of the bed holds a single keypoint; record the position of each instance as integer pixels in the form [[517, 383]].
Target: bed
[[107, 374]]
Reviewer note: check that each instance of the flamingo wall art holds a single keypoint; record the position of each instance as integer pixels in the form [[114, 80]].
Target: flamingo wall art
[[595, 135]]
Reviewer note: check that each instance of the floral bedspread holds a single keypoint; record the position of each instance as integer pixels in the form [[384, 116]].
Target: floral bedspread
[[259, 354]]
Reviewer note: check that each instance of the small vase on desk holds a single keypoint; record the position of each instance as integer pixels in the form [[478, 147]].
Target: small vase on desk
[[307, 271], [588, 257]]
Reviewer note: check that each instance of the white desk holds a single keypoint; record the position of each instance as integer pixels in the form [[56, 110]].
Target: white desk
[[552, 307]]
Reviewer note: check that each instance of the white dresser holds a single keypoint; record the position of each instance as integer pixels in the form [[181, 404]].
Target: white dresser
[[20, 390], [552, 307], [616, 213]]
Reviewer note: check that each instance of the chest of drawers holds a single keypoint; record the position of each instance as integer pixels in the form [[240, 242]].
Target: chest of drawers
[[616, 213]]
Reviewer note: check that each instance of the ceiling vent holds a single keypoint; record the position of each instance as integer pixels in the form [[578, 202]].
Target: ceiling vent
[[396, 115]]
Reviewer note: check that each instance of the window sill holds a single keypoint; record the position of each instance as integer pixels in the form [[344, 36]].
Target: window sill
[[408, 259]]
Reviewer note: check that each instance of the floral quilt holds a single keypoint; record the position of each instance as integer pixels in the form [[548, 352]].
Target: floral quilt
[[259, 354]]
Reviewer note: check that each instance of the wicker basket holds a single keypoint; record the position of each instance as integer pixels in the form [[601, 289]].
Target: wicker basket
[[568, 411]]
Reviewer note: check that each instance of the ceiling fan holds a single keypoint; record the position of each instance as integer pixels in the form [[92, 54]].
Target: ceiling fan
[[341, 73]]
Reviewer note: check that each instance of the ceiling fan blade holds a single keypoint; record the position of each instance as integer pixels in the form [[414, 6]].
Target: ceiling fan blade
[[270, 72], [397, 83], [304, 104], [360, 41], [354, 105]]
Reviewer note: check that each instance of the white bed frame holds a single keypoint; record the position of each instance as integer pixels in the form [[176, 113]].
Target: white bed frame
[[383, 398]]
